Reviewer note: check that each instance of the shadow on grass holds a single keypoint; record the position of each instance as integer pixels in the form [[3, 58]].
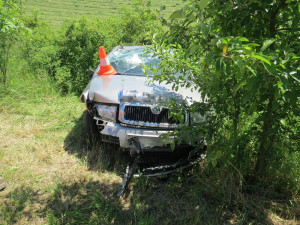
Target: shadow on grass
[[98, 155], [87, 203], [185, 199], [16, 204], [75, 203], [151, 201], [195, 197]]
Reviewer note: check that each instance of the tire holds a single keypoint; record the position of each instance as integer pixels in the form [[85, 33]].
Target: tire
[[91, 133]]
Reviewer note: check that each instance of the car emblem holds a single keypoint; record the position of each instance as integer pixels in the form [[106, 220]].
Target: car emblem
[[156, 110]]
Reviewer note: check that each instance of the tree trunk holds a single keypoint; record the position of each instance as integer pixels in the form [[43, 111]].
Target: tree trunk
[[266, 141]]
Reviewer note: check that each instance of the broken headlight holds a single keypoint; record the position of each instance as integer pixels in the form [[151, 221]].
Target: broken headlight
[[107, 112]]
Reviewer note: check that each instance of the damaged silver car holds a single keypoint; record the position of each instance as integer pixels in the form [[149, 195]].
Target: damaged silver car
[[128, 110]]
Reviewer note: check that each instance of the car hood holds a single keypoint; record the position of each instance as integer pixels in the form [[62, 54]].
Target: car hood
[[116, 89]]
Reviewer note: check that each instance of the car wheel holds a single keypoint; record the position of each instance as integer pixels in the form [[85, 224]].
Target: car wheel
[[91, 132]]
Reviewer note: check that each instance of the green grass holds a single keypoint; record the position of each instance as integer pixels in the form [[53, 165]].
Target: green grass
[[56, 12], [53, 178]]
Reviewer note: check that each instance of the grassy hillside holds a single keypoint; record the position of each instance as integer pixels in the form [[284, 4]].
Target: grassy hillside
[[57, 11]]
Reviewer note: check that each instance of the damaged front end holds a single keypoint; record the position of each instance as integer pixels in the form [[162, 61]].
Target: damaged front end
[[159, 163], [132, 113]]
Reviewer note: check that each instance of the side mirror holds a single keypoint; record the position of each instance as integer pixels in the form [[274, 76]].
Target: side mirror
[[90, 73]]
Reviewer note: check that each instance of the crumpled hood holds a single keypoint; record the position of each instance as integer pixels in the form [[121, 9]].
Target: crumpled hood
[[116, 89]]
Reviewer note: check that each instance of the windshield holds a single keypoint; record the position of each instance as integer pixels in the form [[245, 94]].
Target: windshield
[[130, 61]]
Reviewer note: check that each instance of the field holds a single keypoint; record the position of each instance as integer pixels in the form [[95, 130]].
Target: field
[[56, 12]]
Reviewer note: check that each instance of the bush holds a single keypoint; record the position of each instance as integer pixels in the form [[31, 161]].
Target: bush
[[11, 29], [140, 24], [40, 51], [245, 65], [78, 46], [67, 54]]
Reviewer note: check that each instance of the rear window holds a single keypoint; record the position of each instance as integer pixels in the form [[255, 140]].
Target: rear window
[[130, 61]]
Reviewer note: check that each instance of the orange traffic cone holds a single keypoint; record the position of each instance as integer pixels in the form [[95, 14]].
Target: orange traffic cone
[[105, 67]]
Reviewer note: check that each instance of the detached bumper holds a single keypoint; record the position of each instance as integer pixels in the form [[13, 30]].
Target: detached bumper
[[148, 138]]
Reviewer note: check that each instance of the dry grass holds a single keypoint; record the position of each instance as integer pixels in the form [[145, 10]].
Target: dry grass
[[34, 161]]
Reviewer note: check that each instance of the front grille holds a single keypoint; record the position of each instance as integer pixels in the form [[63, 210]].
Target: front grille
[[144, 114]]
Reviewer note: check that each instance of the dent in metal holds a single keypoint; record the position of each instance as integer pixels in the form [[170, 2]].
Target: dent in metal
[[123, 88], [134, 86], [134, 89]]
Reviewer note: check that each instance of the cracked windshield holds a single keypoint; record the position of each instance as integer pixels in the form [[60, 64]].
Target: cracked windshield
[[131, 61]]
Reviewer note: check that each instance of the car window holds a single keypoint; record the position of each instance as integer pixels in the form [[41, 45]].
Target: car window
[[131, 61]]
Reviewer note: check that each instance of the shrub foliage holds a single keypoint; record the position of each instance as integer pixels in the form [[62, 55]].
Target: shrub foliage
[[242, 58], [11, 28]]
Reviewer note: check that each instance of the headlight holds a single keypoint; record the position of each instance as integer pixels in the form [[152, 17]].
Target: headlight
[[196, 118], [107, 112]]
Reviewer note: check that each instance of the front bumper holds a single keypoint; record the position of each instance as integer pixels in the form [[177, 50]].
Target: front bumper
[[148, 138]]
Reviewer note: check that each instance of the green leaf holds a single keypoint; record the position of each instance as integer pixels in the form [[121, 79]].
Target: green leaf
[[242, 39], [209, 58], [203, 4], [191, 50], [219, 63], [178, 14], [284, 78], [283, 122], [175, 15], [252, 70], [275, 105], [252, 45], [271, 69], [295, 76], [262, 58], [191, 17], [266, 44], [238, 86], [224, 41], [204, 29], [252, 87], [148, 3], [239, 62], [214, 162], [172, 144]]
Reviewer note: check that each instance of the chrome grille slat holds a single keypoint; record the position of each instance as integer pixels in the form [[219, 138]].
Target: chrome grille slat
[[138, 114], [144, 114]]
